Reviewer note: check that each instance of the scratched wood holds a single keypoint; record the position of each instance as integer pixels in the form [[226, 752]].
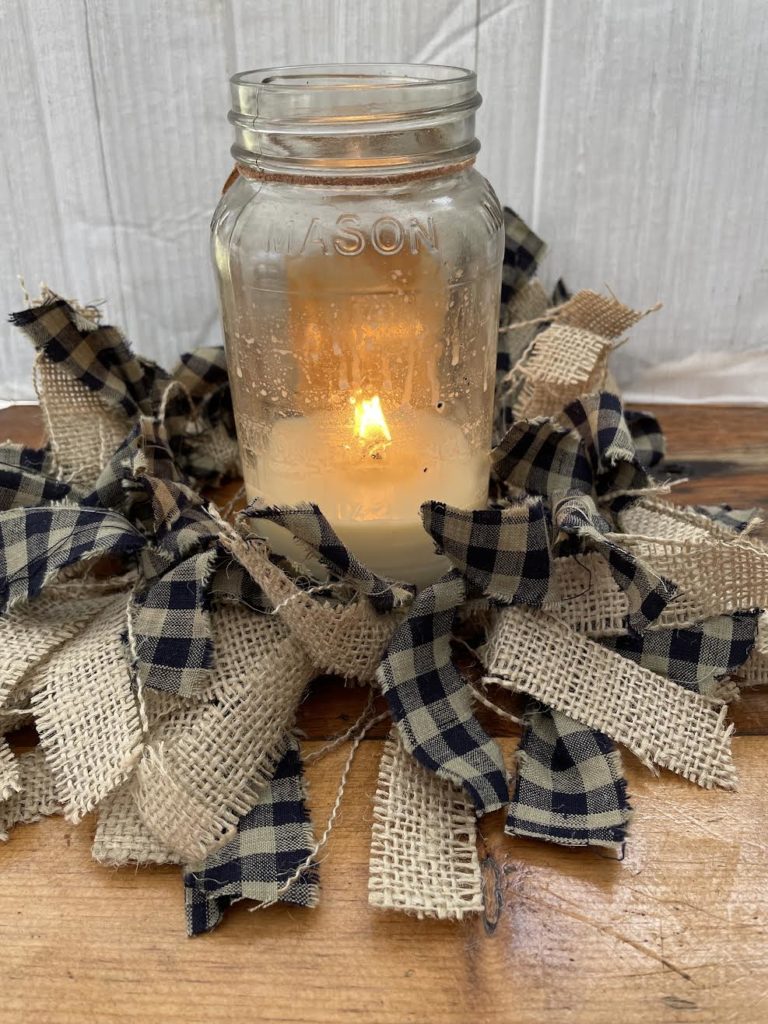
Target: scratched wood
[[675, 932]]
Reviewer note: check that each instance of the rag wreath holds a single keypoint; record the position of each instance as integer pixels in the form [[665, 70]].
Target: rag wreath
[[161, 649]]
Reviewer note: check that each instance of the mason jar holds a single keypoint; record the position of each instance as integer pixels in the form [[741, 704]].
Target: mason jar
[[358, 255]]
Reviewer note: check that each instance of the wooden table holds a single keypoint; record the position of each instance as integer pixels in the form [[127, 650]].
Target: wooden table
[[675, 932]]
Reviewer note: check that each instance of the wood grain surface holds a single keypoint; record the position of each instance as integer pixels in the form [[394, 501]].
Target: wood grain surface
[[674, 932]]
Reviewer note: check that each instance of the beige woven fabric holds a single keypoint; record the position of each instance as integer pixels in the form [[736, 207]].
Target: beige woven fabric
[[205, 765], [86, 713], [122, 837], [9, 771], [716, 571], [36, 796], [761, 643], [660, 722], [651, 517], [715, 575], [423, 849], [348, 641], [755, 670], [29, 633], [570, 358], [565, 362], [82, 429], [602, 315]]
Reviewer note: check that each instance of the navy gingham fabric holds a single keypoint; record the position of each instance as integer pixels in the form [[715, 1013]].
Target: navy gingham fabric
[[28, 478], [35, 543], [569, 787], [523, 251], [734, 519], [697, 656], [272, 840], [502, 552], [572, 467], [97, 356], [308, 524], [431, 703]]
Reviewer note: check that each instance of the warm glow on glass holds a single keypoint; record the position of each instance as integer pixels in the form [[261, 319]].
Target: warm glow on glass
[[370, 424]]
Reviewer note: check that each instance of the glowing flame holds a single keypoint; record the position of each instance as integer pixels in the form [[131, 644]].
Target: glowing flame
[[370, 424]]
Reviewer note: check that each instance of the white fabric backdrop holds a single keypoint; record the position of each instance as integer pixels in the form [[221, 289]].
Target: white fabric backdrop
[[632, 135]]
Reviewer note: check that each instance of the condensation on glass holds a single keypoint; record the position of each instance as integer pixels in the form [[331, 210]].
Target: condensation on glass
[[358, 256]]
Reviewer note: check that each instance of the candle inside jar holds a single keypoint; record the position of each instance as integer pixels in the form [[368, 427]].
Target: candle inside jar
[[369, 471]]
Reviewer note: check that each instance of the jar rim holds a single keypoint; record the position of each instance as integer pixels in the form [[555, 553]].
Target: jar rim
[[375, 75], [369, 115]]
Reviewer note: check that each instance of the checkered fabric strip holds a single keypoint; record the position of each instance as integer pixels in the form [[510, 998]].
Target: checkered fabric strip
[[523, 251], [541, 457], [608, 442], [596, 455], [735, 519], [202, 370], [172, 627], [648, 594], [38, 542], [117, 487], [431, 703], [99, 357], [272, 840], [695, 656], [569, 788], [647, 437], [501, 552], [28, 478], [308, 524]]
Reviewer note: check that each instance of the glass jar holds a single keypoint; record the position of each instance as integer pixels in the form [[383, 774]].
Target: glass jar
[[358, 255]]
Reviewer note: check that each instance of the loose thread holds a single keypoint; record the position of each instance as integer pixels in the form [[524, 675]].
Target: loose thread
[[297, 873], [337, 740], [133, 661], [492, 706]]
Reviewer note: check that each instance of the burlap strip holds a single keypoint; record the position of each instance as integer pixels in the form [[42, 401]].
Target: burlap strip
[[35, 797], [660, 722], [423, 851], [206, 764], [86, 713]]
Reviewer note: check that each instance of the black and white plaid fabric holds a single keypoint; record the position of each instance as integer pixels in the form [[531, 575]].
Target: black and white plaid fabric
[[97, 356], [523, 251], [734, 519], [502, 552], [569, 787], [572, 468], [696, 656], [308, 524], [172, 626], [647, 437], [35, 543], [431, 703], [272, 840], [28, 478], [648, 594]]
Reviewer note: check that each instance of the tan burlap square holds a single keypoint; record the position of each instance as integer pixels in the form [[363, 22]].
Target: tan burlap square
[[86, 712], [35, 798], [348, 641], [423, 849], [83, 430]]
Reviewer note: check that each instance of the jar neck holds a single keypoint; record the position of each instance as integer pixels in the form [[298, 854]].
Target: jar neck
[[257, 173], [356, 122]]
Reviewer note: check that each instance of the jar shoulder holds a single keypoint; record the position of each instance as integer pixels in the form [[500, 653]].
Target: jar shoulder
[[283, 217]]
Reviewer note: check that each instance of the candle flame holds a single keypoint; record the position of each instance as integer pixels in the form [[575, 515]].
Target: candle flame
[[370, 424]]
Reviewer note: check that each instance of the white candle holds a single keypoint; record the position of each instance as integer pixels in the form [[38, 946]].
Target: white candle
[[370, 475]]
